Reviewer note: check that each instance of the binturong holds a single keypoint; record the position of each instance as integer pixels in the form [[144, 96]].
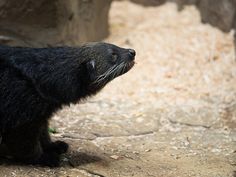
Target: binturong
[[37, 82]]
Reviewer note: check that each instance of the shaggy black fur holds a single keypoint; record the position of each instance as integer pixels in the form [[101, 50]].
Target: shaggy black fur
[[36, 82]]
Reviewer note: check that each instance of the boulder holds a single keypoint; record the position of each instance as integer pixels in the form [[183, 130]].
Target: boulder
[[53, 23], [221, 14]]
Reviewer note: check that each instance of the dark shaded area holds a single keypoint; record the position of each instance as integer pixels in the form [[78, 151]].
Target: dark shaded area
[[82, 158], [180, 3], [149, 2], [74, 159]]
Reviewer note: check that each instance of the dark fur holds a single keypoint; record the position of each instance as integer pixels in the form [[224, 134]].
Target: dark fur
[[36, 82]]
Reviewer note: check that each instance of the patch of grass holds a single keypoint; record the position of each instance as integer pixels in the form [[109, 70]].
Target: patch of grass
[[52, 130]]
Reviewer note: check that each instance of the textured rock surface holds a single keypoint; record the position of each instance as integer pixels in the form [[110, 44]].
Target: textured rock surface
[[219, 13], [172, 115], [55, 22]]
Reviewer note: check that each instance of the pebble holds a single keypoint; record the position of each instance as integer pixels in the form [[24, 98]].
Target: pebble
[[116, 157]]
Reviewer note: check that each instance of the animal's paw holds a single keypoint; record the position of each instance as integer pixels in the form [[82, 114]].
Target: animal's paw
[[60, 147], [48, 159]]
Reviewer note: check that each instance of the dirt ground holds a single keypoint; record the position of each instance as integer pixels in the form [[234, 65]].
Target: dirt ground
[[172, 115]]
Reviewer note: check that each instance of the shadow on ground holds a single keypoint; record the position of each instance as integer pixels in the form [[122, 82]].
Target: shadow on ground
[[81, 158], [73, 159]]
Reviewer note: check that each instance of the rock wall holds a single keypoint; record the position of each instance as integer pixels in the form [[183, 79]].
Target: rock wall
[[52, 23], [70, 22]]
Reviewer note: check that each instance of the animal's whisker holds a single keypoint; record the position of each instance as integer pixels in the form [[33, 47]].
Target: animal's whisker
[[112, 72]]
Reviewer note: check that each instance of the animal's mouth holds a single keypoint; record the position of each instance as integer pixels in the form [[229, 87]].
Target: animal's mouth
[[128, 66], [131, 64]]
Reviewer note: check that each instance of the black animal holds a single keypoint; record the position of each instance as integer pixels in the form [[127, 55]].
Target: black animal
[[36, 82]]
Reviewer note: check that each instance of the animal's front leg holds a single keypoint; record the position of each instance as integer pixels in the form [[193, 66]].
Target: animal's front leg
[[24, 145], [59, 147]]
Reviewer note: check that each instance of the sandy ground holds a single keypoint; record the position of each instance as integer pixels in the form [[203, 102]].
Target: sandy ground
[[173, 115]]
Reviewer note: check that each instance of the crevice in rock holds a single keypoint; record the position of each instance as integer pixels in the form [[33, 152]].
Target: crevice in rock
[[190, 125], [109, 136], [92, 173], [129, 135]]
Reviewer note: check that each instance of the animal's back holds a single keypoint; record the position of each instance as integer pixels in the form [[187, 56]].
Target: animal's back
[[19, 101]]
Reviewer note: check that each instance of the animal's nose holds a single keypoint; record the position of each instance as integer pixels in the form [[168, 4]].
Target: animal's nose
[[132, 53]]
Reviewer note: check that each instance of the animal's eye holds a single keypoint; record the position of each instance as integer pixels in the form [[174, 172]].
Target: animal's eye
[[114, 57]]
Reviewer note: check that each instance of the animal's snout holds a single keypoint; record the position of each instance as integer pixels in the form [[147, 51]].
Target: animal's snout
[[132, 53]]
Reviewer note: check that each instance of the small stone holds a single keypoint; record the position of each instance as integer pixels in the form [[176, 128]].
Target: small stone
[[115, 157], [177, 157], [147, 150], [135, 152]]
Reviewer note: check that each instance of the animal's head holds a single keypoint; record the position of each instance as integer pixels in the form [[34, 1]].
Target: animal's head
[[106, 62]]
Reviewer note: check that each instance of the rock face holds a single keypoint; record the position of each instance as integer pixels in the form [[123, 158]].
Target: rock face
[[149, 2], [219, 13], [55, 22]]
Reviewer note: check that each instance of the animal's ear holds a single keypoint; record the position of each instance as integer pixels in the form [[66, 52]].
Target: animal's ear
[[91, 68], [91, 64]]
